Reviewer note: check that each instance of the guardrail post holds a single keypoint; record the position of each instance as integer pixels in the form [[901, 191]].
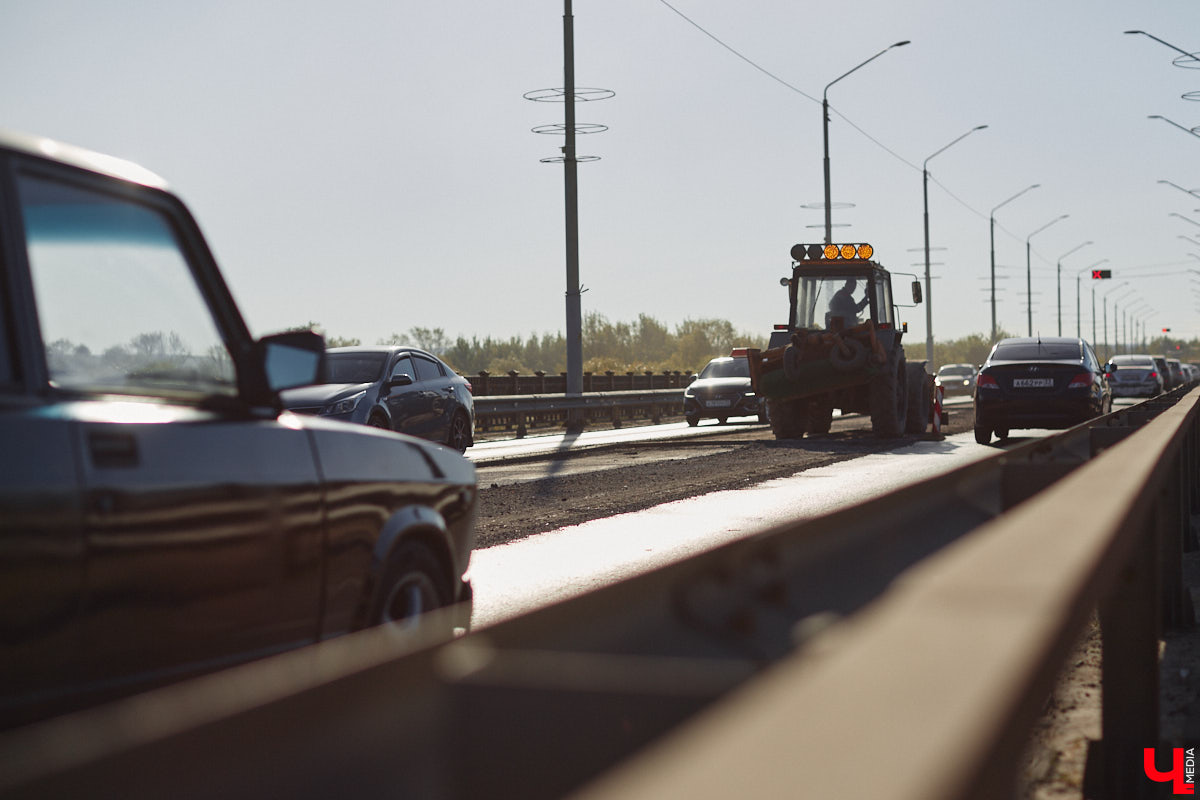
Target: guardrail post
[[541, 381], [1130, 628], [481, 386]]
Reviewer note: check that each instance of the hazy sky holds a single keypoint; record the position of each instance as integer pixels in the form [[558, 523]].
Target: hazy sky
[[370, 165]]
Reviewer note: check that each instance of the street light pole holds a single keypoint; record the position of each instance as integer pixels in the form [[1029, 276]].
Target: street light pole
[[1104, 306], [1078, 315], [1059, 278], [992, 233], [825, 130], [1029, 272], [928, 281]]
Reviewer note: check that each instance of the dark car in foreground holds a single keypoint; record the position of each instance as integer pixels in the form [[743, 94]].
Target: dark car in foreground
[[1134, 376], [956, 379], [161, 515], [401, 389], [1046, 382], [722, 390]]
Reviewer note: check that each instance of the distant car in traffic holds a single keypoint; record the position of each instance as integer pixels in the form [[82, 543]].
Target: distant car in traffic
[[1164, 369], [400, 389], [722, 390], [160, 515], [956, 378], [1046, 382], [1134, 376], [1177, 376]]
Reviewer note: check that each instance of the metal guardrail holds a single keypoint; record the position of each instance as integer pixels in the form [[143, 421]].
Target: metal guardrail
[[518, 413], [901, 648]]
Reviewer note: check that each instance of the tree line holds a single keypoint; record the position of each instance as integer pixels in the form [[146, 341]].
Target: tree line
[[637, 346], [648, 344]]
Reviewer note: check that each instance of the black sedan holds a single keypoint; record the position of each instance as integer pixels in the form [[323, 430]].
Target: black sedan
[[1046, 382], [400, 389], [722, 390], [160, 515]]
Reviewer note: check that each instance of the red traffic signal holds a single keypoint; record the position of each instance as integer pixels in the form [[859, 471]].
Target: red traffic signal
[[1100, 274], [1166, 330]]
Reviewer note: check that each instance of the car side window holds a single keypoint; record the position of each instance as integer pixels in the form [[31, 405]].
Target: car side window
[[119, 309], [427, 369], [404, 367]]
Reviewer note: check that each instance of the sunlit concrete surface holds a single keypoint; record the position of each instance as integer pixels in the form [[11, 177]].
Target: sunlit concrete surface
[[515, 577]]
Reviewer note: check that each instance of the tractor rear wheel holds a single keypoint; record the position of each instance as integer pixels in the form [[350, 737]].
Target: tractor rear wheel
[[889, 397], [920, 399], [789, 418]]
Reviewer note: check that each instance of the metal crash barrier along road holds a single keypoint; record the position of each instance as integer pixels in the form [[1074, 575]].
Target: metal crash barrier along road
[[518, 413], [901, 648]]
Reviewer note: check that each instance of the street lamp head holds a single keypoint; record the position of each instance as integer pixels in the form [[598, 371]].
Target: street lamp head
[[901, 44], [979, 127], [1135, 31]]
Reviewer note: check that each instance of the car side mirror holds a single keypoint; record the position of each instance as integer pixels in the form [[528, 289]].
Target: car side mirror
[[403, 379], [295, 358], [916, 291], [1110, 368]]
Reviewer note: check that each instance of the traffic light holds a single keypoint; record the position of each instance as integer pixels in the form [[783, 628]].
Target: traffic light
[[1166, 330], [1101, 274]]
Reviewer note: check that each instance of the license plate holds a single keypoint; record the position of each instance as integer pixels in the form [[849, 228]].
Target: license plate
[[719, 403], [1032, 383]]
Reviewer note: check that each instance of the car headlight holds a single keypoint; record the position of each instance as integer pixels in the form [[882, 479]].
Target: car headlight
[[344, 406]]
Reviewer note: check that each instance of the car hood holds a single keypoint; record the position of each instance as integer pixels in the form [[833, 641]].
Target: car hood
[[319, 395], [716, 384]]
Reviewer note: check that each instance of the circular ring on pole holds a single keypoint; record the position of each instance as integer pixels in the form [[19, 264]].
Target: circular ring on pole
[[1195, 96], [561, 159], [821, 206], [582, 95], [1190, 61], [581, 128]]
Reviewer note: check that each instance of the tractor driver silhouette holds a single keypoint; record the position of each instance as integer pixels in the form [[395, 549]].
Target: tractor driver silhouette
[[843, 309]]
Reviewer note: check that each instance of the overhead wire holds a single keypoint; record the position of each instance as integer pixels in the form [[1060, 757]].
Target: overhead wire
[[842, 116]]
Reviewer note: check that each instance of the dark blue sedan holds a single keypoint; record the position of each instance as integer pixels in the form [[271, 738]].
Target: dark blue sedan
[[1047, 382], [398, 388]]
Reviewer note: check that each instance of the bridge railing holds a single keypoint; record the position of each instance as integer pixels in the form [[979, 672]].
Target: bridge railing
[[900, 648]]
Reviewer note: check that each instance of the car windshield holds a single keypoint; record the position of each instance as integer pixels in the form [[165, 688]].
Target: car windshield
[[354, 367], [1037, 351], [955, 370], [1131, 361], [727, 368]]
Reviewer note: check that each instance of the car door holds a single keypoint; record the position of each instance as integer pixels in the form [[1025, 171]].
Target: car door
[[41, 529], [410, 405], [435, 383], [202, 524]]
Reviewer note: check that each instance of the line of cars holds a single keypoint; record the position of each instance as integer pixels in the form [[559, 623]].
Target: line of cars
[[1058, 382]]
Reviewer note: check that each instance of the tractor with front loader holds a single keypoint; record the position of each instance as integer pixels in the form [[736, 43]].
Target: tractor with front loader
[[841, 349]]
